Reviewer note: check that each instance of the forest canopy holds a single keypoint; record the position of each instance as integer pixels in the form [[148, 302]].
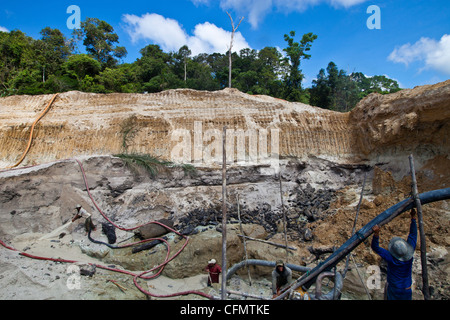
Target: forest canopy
[[53, 64]]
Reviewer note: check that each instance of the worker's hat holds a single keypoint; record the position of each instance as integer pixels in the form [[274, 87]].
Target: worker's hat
[[212, 261], [78, 206], [280, 263], [400, 249]]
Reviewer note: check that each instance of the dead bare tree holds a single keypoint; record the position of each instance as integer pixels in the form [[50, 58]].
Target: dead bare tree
[[234, 29]]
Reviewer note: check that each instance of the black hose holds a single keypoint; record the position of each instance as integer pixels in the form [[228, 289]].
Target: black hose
[[100, 242]]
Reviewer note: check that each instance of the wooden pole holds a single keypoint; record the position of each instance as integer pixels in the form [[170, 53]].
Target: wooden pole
[[284, 220], [423, 245], [224, 214], [245, 242]]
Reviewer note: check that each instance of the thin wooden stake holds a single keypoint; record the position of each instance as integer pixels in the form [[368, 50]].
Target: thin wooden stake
[[284, 220], [245, 242], [123, 289], [423, 245], [224, 215]]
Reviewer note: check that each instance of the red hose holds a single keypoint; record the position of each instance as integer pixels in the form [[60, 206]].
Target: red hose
[[135, 276]]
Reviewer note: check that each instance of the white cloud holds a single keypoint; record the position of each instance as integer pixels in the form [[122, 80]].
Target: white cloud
[[256, 10], [434, 54], [169, 34], [208, 38], [3, 29], [164, 31]]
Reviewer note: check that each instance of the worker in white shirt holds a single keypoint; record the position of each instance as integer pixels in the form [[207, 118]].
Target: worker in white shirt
[[82, 213]]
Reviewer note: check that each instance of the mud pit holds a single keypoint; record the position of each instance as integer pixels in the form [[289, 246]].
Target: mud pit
[[322, 166]]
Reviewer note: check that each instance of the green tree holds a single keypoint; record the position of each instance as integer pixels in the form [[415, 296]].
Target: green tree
[[296, 51], [53, 50], [220, 68], [334, 90], [184, 53], [154, 70], [61, 83], [378, 84], [81, 65], [17, 54], [320, 92], [99, 39], [120, 79], [271, 70], [153, 62], [200, 74]]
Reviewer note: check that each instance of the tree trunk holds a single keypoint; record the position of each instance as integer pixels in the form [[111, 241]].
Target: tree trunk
[[230, 62]]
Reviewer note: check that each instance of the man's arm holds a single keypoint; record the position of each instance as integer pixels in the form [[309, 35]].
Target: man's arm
[[274, 283], [383, 253]]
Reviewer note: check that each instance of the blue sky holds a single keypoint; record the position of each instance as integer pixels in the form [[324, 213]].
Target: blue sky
[[412, 46]]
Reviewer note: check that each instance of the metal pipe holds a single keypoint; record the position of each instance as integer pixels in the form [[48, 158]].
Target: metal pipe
[[263, 263], [338, 284]]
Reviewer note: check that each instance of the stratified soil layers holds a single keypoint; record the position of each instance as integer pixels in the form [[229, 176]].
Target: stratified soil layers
[[181, 122]]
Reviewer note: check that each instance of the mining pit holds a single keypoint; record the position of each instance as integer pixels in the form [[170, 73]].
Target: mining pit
[[309, 170]]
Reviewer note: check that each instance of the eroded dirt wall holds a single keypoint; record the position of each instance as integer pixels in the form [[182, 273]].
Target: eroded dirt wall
[[94, 124], [186, 126]]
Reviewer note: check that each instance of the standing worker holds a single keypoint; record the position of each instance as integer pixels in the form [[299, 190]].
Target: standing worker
[[399, 258], [81, 213], [213, 270], [281, 278]]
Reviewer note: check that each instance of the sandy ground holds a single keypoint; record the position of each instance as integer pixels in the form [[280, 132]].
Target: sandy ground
[[25, 278]]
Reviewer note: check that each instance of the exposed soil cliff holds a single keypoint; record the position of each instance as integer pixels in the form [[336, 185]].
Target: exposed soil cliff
[[78, 123]]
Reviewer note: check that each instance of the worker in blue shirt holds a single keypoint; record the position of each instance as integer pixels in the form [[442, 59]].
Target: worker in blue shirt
[[399, 258]]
